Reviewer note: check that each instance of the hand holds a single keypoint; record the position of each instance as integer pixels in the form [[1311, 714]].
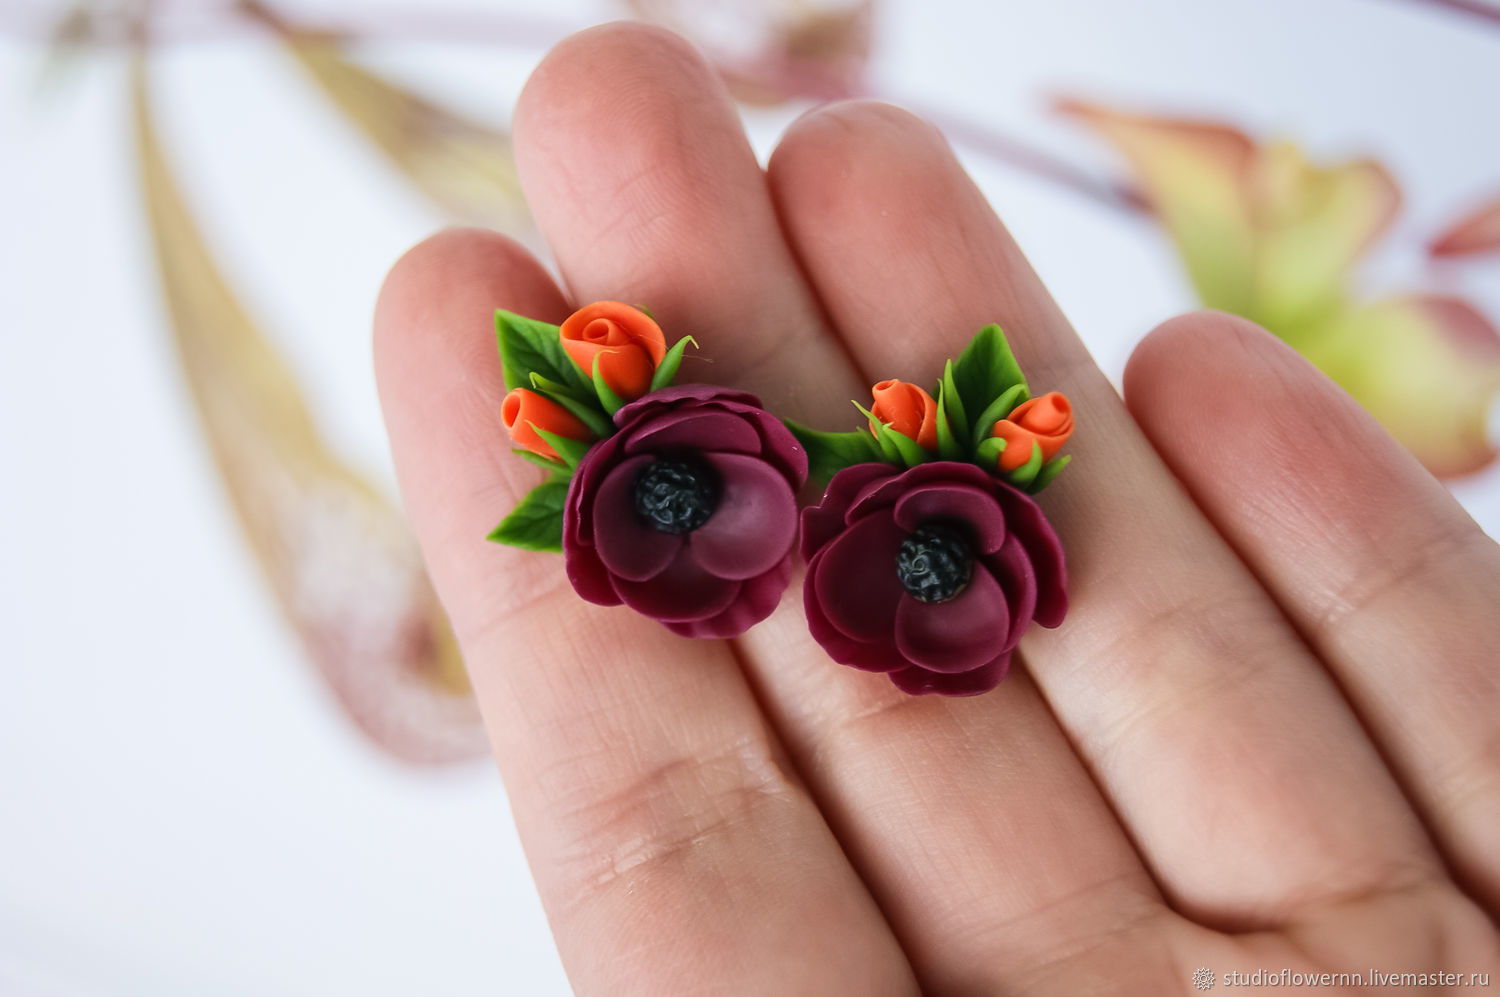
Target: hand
[[1267, 735]]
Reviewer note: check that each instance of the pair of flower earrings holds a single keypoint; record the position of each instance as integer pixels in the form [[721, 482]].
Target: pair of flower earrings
[[927, 558]]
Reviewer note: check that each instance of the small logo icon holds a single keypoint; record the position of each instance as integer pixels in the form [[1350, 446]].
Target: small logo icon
[[1203, 978]]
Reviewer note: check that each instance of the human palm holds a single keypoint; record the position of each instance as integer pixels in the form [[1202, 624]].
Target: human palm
[[1266, 736]]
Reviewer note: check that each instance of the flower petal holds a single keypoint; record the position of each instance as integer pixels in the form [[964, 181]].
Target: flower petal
[[1476, 232], [588, 575], [877, 493], [856, 582], [824, 521], [757, 600], [683, 592], [698, 428], [960, 634], [754, 524], [1013, 570], [1427, 367], [873, 656], [920, 681], [1028, 523], [629, 546], [975, 508]]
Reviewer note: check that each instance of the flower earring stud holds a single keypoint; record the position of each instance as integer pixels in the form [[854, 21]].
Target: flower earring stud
[[677, 501], [927, 558]]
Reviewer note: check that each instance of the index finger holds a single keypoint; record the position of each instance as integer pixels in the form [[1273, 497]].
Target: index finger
[[669, 841]]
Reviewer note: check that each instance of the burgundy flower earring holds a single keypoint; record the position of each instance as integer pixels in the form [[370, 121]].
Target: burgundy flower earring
[[927, 558], [678, 502]]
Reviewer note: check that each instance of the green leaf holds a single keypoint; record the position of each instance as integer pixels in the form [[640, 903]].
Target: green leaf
[[830, 453], [1048, 472], [1023, 476], [950, 402], [536, 523], [987, 454], [949, 447], [999, 409], [552, 388], [898, 448], [612, 402], [540, 461], [599, 423], [986, 370], [571, 451], [528, 347], [667, 369]]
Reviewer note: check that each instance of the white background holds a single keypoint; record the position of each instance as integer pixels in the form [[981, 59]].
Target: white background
[[183, 808]]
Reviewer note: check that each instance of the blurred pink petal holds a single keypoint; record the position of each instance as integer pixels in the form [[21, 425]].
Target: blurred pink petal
[[1476, 232]]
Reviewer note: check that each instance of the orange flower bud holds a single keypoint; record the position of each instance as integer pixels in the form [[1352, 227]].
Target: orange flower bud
[[523, 409], [1047, 420], [907, 409], [628, 343]]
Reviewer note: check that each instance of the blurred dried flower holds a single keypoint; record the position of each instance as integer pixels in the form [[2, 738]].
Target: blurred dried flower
[[1268, 235], [338, 557]]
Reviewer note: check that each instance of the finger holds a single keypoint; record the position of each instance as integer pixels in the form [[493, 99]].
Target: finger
[[639, 174], [1202, 715], [947, 809], [1391, 581], [668, 841]]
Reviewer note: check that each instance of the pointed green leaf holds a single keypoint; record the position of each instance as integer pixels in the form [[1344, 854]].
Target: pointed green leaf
[[985, 370], [987, 454], [536, 523], [898, 448], [885, 442], [999, 409], [830, 453], [1024, 475], [540, 461], [599, 424], [949, 448], [552, 388], [528, 346], [667, 369], [1048, 472], [950, 402], [571, 451], [612, 402]]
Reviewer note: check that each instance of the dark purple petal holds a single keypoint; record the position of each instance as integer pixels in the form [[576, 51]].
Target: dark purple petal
[[856, 583], [681, 593], [883, 493], [674, 397], [1012, 569], [780, 447], [695, 429], [578, 522], [757, 599], [957, 635], [975, 508], [588, 576], [1029, 523], [872, 656], [920, 681], [822, 522], [630, 547], [754, 524]]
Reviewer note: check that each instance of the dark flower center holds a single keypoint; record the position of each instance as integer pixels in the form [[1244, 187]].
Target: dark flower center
[[934, 563], [676, 496]]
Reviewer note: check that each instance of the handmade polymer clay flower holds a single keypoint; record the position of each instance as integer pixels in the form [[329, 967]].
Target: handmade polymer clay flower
[[678, 502], [927, 558]]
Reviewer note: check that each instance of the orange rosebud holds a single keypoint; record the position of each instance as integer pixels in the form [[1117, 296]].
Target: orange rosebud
[[1047, 420], [628, 343], [907, 409], [523, 409]]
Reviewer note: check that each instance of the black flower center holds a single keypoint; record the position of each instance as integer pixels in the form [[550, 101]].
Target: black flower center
[[934, 563], [676, 496]]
